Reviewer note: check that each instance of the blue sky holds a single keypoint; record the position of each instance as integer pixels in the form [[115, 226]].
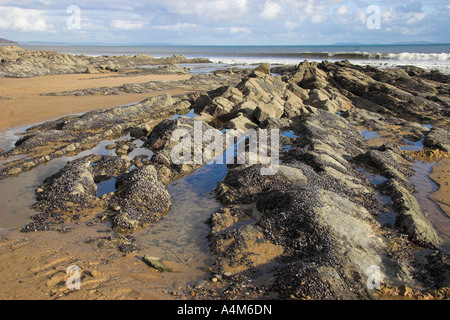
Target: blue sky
[[225, 22]]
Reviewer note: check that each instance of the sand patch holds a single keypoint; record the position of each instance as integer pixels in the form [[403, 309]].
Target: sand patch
[[24, 104], [441, 175]]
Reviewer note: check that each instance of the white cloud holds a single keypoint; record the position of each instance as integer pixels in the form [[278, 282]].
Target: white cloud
[[387, 15], [360, 16], [122, 7], [176, 27], [416, 17], [289, 25], [226, 21], [318, 18], [206, 9], [127, 24], [12, 18], [342, 10], [270, 10], [317, 12], [235, 30]]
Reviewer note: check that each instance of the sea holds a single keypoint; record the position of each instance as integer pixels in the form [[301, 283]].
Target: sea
[[427, 56]]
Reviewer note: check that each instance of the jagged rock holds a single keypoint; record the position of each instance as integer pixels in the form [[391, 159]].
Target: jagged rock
[[299, 91], [264, 68], [390, 163], [322, 99], [319, 210], [241, 122], [92, 70], [272, 109], [437, 138], [411, 218], [273, 123], [74, 187], [142, 199]]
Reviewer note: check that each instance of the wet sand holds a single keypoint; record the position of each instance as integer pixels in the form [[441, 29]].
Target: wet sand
[[24, 104], [441, 175], [34, 267]]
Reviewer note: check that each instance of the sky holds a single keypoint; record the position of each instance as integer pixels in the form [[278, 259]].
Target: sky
[[225, 22]]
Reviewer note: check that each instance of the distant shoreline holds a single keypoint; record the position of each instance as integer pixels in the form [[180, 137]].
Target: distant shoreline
[[427, 56]]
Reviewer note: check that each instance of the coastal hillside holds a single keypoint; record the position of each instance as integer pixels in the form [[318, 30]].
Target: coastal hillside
[[6, 42]]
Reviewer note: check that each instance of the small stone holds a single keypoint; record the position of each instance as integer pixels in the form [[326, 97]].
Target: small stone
[[264, 68], [117, 208], [200, 284], [406, 291], [156, 263], [128, 247], [15, 171], [110, 147], [70, 148], [39, 190]]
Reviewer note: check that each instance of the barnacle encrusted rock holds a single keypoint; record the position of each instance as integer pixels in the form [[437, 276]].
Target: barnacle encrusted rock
[[142, 198]]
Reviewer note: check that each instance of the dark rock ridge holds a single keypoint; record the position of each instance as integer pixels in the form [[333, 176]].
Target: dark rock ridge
[[313, 230], [311, 215]]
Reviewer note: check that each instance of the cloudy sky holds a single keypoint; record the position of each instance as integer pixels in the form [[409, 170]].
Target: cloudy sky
[[225, 22]]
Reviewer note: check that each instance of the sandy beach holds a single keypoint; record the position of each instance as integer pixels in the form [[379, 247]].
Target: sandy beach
[[23, 104]]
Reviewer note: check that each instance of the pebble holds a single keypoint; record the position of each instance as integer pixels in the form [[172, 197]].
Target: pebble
[[200, 284], [110, 147]]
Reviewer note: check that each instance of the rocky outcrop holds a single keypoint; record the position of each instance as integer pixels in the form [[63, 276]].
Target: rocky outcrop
[[313, 229], [254, 100], [305, 217], [74, 187], [18, 63], [411, 219], [437, 138], [140, 199], [163, 141]]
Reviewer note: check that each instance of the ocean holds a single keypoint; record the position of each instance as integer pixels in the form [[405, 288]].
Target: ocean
[[428, 56]]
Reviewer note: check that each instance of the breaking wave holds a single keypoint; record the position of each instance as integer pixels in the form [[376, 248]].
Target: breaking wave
[[407, 56]]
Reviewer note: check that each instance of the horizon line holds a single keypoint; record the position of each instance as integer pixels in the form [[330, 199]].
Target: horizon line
[[220, 45]]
